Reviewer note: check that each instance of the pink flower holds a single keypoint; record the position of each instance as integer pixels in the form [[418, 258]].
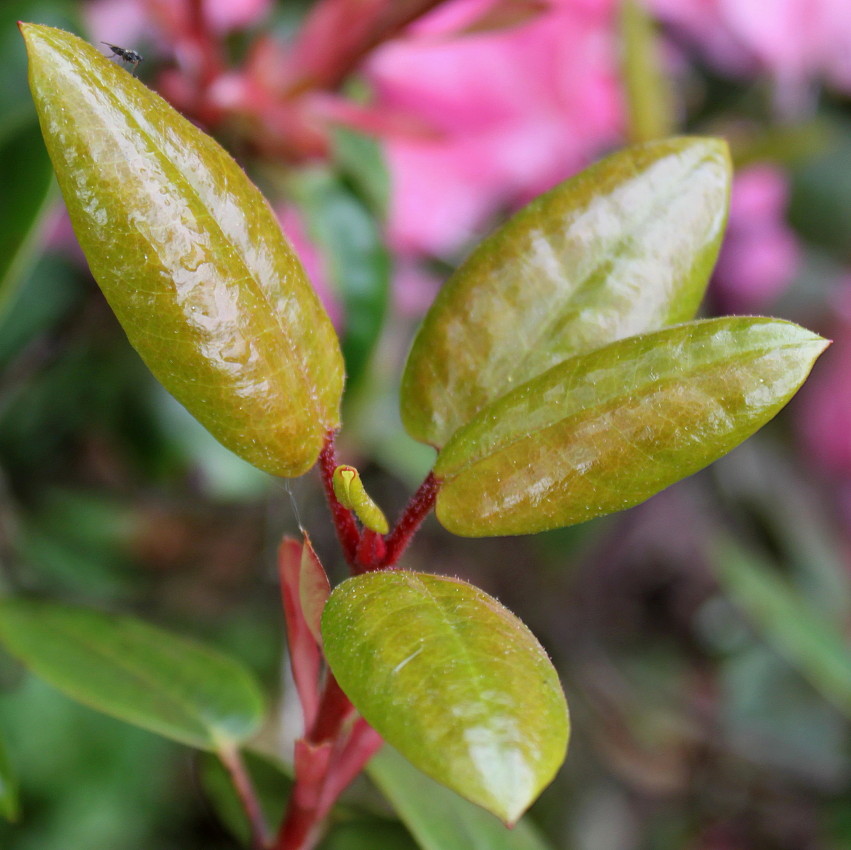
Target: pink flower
[[511, 113], [126, 21], [823, 408], [226, 15], [760, 254], [795, 40]]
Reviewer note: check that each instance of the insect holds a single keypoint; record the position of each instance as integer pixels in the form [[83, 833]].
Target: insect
[[131, 57]]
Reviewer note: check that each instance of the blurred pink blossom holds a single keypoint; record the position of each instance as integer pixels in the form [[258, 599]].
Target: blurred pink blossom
[[311, 258], [795, 40], [122, 22], [414, 288], [511, 112], [760, 254], [227, 15], [127, 21], [823, 408]]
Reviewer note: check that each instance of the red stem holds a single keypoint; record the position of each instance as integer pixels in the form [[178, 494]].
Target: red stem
[[413, 516], [371, 552], [334, 707], [338, 34], [232, 761], [315, 769], [347, 529]]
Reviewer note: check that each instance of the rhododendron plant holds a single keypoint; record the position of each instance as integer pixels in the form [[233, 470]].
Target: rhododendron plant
[[559, 374]]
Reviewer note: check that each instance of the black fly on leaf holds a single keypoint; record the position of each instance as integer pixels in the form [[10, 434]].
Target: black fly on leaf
[[131, 57]]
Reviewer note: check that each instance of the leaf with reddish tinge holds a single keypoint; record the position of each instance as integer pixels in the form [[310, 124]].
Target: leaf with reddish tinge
[[190, 256], [453, 680], [625, 247], [304, 590], [604, 431]]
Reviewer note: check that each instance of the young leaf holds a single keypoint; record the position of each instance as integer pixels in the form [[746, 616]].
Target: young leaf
[[803, 635], [451, 679], [136, 672], [604, 431], [416, 798], [622, 248], [304, 591], [190, 257], [351, 494]]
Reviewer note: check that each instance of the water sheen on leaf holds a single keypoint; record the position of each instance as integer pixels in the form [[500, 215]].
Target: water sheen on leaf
[[604, 431], [625, 247], [135, 672], [453, 680], [190, 257]]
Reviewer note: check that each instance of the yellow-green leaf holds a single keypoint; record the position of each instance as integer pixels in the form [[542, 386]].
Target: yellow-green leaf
[[625, 247], [604, 431], [453, 680], [189, 256]]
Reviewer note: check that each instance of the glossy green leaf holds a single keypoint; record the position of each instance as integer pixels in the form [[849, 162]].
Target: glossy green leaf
[[604, 431], [649, 99], [135, 672], [802, 634], [416, 798], [9, 806], [190, 257], [26, 178], [622, 248], [451, 679]]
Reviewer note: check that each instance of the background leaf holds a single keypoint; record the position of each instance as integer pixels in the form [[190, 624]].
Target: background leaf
[[417, 798], [357, 261], [782, 615], [626, 246], [453, 680], [9, 806], [27, 179], [604, 431], [360, 159], [190, 257], [649, 98], [136, 672]]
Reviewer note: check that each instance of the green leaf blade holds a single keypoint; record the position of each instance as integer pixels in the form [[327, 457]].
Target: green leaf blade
[[799, 632], [135, 672], [9, 803], [452, 680], [416, 798], [625, 247], [604, 431], [27, 180], [190, 257]]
